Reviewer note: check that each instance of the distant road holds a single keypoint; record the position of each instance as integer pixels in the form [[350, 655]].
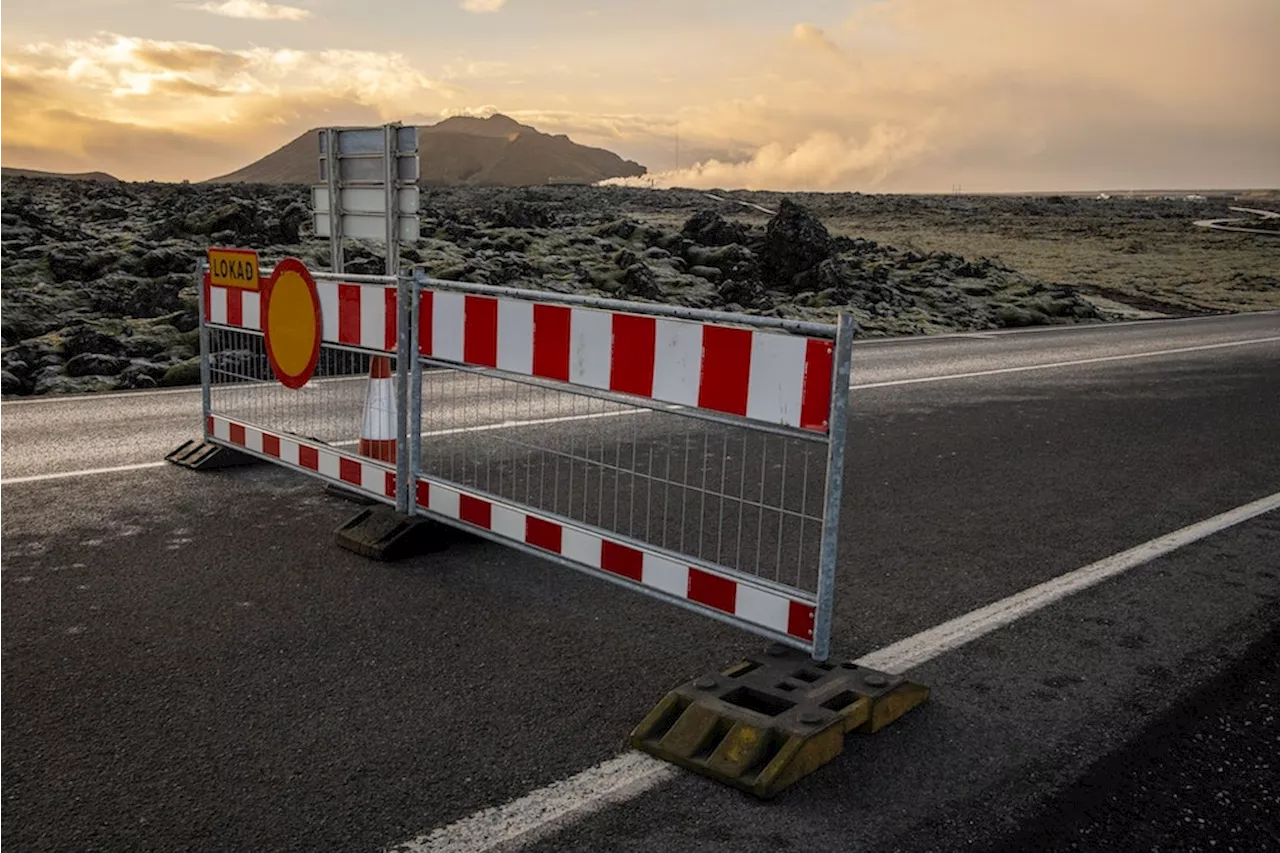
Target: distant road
[[749, 204], [61, 434], [1226, 224]]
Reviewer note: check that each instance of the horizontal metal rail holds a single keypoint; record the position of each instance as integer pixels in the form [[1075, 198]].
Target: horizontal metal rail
[[799, 327]]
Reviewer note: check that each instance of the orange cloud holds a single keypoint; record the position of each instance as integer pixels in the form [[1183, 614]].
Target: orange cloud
[[117, 98]]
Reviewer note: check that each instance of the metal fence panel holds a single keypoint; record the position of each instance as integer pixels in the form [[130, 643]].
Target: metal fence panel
[[729, 512], [316, 428]]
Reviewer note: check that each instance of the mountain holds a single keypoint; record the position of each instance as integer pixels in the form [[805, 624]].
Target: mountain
[[10, 172], [493, 151]]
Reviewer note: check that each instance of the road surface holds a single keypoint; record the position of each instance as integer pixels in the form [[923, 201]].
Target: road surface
[[190, 663]]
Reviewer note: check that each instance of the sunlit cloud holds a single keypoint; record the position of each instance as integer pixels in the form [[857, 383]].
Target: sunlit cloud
[[481, 6], [256, 10], [66, 99]]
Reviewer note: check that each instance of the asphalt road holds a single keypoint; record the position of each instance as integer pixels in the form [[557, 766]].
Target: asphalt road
[[189, 663]]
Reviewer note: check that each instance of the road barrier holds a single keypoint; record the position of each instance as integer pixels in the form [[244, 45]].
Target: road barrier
[[693, 456]]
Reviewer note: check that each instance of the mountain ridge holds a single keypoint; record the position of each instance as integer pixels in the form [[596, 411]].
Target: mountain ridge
[[461, 151]]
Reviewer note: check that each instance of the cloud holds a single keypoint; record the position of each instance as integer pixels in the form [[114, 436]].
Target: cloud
[[256, 10], [480, 6], [917, 95], [811, 36], [170, 110]]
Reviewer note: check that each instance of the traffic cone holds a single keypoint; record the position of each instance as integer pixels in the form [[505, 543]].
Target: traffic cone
[[378, 434]]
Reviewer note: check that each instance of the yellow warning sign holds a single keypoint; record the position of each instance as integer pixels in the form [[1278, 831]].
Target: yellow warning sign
[[233, 268]]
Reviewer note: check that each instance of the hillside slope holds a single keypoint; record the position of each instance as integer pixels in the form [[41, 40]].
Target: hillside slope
[[10, 172]]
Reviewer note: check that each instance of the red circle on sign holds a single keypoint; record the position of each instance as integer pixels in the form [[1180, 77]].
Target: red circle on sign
[[295, 329]]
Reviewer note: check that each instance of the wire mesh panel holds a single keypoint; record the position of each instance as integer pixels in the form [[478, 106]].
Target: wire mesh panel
[[329, 408], [695, 457], [716, 492]]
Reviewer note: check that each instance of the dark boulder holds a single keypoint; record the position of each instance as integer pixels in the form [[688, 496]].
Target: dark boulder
[[85, 339], [68, 264], [733, 260], [142, 374], [154, 297], [167, 259], [10, 384], [794, 241], [621, 229], [520, 214], [236, 218], [95, 364], [624, 258], [709, 228], [638, 282], [746, 293]]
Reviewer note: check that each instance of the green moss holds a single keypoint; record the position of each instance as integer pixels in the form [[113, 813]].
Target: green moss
[[183, 373]]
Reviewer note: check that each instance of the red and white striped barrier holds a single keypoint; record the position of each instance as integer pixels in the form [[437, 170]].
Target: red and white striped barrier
[[316, 458], [356, 315], [761, 375], [779, 612]]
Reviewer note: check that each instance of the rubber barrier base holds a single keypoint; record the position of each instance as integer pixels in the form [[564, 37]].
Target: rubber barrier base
[[772, 719], [206, 456], [381, 533]]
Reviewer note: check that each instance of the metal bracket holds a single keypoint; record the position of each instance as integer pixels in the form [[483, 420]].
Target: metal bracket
[[770, 720]]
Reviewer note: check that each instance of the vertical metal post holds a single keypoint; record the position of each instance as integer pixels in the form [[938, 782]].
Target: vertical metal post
[[206, 369], [414, 413], [392, 209], [404, 357], [837, 430], [404, 350], [335, 200]]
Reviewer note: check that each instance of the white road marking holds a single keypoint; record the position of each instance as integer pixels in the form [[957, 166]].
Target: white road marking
[[534, 816], [1066, 329], [193, 390], [36, 478], [1028, 367], [546, 810], [925, 646], [538, 421]]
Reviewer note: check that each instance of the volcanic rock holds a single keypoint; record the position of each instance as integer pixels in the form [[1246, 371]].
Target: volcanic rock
[[794, 241]]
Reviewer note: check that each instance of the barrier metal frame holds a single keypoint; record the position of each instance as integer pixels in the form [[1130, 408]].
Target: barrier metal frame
[[822, 599], [408, 482], [245, 436]]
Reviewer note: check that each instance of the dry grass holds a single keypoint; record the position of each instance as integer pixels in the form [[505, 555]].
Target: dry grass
[[1196, 270]]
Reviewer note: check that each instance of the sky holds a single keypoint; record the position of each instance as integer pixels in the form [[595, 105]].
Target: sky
[[840, 95]]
